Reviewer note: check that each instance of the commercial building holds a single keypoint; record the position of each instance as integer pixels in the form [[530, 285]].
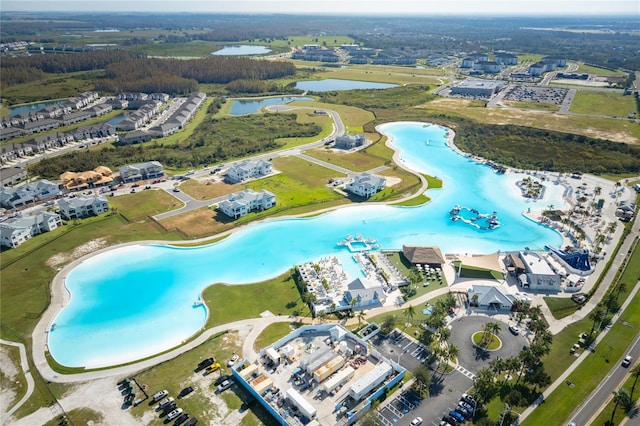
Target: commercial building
[[325, 375], [538, 273], [477, 88]]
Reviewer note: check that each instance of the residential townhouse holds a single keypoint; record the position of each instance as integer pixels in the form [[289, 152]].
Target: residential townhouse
[[12, 197], [365, 185], [11, 175], [16, 231], [139, 171], [350, 141], [83, 206], [248, 169], [78, 181], [241, 203]]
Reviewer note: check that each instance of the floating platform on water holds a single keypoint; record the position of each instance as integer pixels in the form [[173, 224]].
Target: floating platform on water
[[359, 243], [474, 218]]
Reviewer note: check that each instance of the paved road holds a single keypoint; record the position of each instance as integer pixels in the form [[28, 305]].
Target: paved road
[[601, 396], [24, 364]]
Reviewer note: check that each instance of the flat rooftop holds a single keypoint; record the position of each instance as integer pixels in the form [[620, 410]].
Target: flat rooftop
[[536, 264], [480, 84], [304, 358]]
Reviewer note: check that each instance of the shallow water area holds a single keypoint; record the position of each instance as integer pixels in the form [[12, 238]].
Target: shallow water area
[[136, 301]]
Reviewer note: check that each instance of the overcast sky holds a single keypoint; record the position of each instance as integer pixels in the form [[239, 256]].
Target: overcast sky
[[361, 7]]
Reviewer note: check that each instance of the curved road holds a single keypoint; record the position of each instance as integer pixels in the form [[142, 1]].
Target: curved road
[[24, 364]]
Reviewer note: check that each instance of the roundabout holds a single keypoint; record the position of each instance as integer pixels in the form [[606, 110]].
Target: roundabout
[[473, 356], [486, 340]]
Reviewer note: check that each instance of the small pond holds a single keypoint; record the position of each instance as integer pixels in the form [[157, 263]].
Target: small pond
[[32, 107], [252, 106], [335, 84], [242, 49]]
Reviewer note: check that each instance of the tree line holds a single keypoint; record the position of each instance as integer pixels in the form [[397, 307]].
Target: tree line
[[180, 76], [23, 69]]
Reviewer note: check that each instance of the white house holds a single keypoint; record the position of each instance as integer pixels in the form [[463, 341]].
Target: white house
[[490, 297], [139, 171], [350, 141], [248, 169], [24, 194], [241, 203], [15, 231], [364, 294], [366, 185], [82, 206]]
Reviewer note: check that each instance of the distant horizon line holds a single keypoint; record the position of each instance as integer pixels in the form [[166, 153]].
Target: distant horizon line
[[345, 14]]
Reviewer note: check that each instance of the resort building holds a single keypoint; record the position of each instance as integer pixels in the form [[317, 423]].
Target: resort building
[[488, 67], [241, 203], [364, 294], [82, 206], [78, 181], [248, 169], [350, 141], [506, 58], [477, 88], [140, 171], [490, 297], [16, 231], [318, 375], [366, 185], [424, 255], [538, 273], [12, 197]]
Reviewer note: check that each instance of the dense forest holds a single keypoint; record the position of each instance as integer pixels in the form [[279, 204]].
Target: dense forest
[[212, 142], [23, 69]]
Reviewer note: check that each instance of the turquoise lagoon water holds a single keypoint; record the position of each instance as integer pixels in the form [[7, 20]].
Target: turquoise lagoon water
[[251, 106], [136, 301], [337, 84]]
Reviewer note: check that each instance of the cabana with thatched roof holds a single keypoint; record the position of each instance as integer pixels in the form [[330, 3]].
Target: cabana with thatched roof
[[423, 255]]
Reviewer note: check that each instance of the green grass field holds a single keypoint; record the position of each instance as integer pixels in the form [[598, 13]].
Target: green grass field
[[588, 69], [542, 106], [271, 333], [561, 307], [603, 103]]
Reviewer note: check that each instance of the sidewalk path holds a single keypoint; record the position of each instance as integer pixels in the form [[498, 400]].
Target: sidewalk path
[[24, 364]]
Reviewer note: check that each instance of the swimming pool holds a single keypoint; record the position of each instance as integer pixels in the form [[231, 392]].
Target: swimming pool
[[135, 301]]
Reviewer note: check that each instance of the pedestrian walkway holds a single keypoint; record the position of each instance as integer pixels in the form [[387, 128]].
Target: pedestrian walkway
[[466, 372]]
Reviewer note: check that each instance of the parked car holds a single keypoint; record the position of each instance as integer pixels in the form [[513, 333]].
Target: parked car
[[174, 414], [184, 392], [233, 360], [169, 408], [176, 189], [159, 395], [221, 379], [205, 363], [626, 361], [456, 415], [468, 399], [450, 420], [192, 421], [183, 418], [466, 406], [417, 421], [514, 330], [225, 385], [164, 403]]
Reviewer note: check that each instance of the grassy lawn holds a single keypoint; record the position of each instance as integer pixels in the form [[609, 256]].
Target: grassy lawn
[[543, 106], [620, 414], [178, 373], [561, 307], [271, 333], [476, 272], [228, 303], [359, 161], [208, 189], [588, 69], [143, 204], [604, 128], [17, 383], [603, 103], [306, 172], [491, 343]]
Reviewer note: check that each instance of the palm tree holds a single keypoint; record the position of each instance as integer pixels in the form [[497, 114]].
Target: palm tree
[[635, 372], [484, 384], [360, 317], [597, 316], [410, 312], [622, 286], [497, 365], [623, 398]]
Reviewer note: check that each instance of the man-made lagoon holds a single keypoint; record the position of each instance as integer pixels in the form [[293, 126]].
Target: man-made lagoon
[[252, 106], [136, 301], [330, 84], [241, 50]]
